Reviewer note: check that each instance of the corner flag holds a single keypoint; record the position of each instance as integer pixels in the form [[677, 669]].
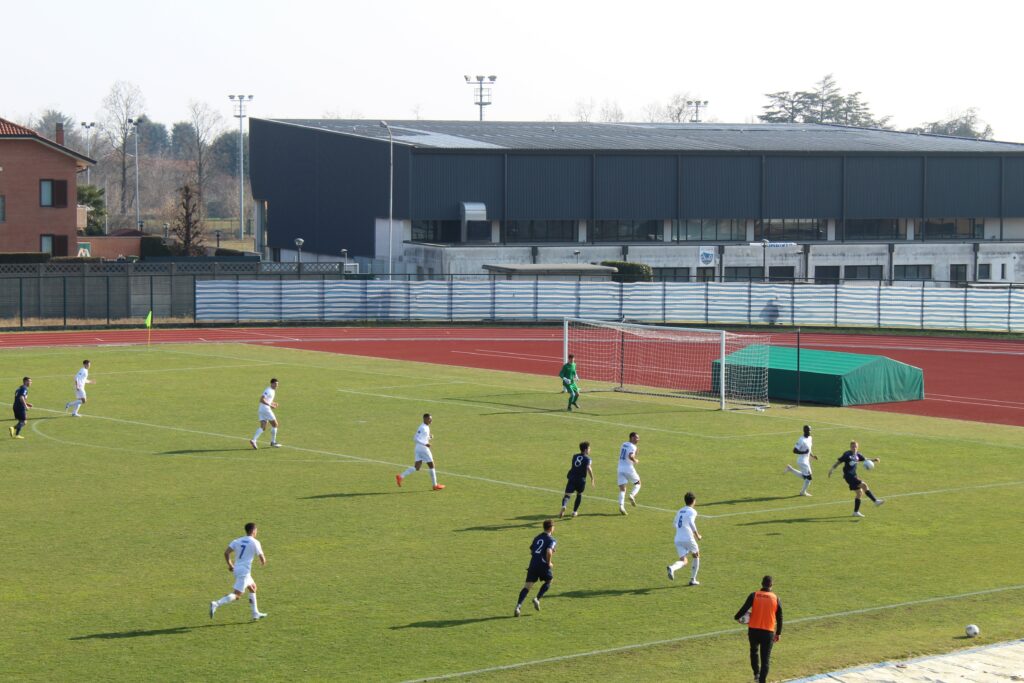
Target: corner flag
[[149, 319]]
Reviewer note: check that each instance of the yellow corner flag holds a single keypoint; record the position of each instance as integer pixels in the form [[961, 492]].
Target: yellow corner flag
[[149, 319], [149, 327]]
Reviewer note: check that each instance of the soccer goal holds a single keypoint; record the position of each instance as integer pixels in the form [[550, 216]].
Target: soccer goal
[[731, 369]]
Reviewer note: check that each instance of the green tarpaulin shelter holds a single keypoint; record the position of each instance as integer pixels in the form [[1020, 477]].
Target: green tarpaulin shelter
[[833, 378]]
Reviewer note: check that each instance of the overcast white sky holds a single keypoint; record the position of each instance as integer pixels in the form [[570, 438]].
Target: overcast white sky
[[916, 61]]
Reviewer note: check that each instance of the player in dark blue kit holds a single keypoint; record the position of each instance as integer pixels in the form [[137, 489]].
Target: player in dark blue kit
[[579, 468], [21, 406], [849, 461], [541, 549]]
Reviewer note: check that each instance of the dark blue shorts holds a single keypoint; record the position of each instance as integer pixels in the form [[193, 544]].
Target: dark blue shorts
[[542, 573], [575, 486], [854, 483], [20, 415]]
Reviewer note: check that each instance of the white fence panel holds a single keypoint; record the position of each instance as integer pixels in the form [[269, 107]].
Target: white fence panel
[[643, 300], [302, 300], [727, 303], [387, 300], [770, 303], [556, 300], [857, 306], [471, 300], [514, 300], [430, 300], [600, 301], [813, 305], [899, 306], [943, 308], [258, 300], [345, 300], [684, 302], [216, 301], [986, 310]]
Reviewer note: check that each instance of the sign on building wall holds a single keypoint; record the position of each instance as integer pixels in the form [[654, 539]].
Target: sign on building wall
[[84, 249], [707, 256]]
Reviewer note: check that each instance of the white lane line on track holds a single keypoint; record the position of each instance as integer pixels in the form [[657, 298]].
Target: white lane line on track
[[711, 634], [977, 398], [983, 403], [511, 356]]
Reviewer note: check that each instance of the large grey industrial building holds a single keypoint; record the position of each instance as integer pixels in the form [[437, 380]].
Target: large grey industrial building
[[694, 201]]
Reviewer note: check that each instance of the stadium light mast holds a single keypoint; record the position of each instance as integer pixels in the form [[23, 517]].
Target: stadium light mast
[[391, 193], [88, 148], [138, 216], [482, 86], [240, 102], [696, 104]]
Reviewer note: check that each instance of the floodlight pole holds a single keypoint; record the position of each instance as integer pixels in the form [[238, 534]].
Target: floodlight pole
[[696, 104], [88, 149], [138, 216], [242, 100], [391, 195], [483, 95]]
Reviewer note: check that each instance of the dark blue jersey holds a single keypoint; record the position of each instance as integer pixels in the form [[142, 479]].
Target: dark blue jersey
[[850, 460], [20, 392], [578, 467], [539, 550]]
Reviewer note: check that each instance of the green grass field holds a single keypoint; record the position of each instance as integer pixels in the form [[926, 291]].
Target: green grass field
[[114, 526]]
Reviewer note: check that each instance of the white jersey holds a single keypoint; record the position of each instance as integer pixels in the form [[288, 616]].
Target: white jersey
[[268, 396], [686, 524], [246, 549], [628, 449], [422, 437], [81, 379], [804, 447]]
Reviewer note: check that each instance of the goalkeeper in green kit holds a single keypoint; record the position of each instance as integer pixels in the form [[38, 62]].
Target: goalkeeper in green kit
[[569, 377]]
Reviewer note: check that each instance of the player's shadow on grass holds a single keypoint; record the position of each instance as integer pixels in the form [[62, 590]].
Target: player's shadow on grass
[[734, 501], [193, 451], [448, 623], [177, 630], [796, 520], [530, 521], [346, 495], [607, 592]]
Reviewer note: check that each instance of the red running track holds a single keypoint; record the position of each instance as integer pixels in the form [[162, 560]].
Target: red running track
[[969, 379]]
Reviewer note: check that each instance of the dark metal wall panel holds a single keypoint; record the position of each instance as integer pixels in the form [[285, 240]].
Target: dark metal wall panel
[[720, 187], [636, 187], [549, 187], [884, 187], [441, 181], [803, 187], [1013, 187], [962, 187]]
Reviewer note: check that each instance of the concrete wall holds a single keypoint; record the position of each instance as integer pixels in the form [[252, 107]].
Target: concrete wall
[[112, 247]]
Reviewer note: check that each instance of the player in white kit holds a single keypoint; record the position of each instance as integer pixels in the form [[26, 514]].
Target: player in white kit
[[81, 379], [686, 540], [422, 454], [266, 415], [627, 471], [245, 549], [804, 455]]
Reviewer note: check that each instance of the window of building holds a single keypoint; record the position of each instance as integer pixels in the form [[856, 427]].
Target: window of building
[[1002, 269], [709, 230], [53, 193], [881, 229], [539, 231], [791, 230], [477, 231], [3, 208], [826, 275], [742, 273], [958, 274], [984, 271], [953, 228], [912, 272], [706, 274], [781, 273], [863, 272], [436, 231], [628, 231], [46, 244], [672, 274]]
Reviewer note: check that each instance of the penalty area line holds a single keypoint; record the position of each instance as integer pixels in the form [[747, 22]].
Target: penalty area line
[[711, 634]]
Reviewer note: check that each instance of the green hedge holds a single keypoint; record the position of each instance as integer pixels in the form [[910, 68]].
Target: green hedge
[[24, 257], [228, 252], [75, 259], [630, 271], [152, 245]]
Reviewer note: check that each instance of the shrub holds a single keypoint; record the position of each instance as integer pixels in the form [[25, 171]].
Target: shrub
[[630, 271], [152, 245], [25, 257]]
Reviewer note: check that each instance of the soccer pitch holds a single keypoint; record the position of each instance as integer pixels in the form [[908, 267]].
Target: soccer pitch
[[115, 524]]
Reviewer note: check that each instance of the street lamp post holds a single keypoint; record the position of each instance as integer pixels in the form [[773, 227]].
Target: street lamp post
[[298, 245], [576, 253], [217, 233], [88, 148], [764, 259], [240, 102], [696, 104], [483, 95], [138, 214], [391, 194]]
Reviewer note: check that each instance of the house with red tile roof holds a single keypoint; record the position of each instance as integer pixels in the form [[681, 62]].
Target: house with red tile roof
[[38, 190]]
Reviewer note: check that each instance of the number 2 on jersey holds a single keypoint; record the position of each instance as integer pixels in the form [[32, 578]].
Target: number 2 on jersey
[[540, 546]]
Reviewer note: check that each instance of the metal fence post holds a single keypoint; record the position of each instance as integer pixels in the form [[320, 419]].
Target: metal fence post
[[151, 293], [21, 302], [707, 296], [451, 299], [965, 307], [922, 304], [750, 300], [195, 307], [878, 305], [1009, 308], [835, 304], [408, 298], [64, 284], [792, 303], [664, 301]]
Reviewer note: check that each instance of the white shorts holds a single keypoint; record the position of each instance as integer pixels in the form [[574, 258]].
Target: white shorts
[[242, 583], [266, 414], [685, 548], [423, 454], [804, 467], [80, 393], [628, 476]]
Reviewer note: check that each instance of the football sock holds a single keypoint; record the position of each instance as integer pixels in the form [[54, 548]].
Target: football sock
[[408, 472], [75, 405], [856, 504], [17, 430], [807, 482], [565, 500], [273, 434], [870, 495], [676, 566], [694, 568], [576, 505], [622, 498], [636, 490], [252, 601], [522, 595], [230, 597], [256, 436], [433, 476], [543, 589]]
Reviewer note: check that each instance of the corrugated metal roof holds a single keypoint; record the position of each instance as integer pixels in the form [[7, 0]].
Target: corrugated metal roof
[[648, 137]]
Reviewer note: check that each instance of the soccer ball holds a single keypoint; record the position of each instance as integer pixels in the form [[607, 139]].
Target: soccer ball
[[972, 631], [868, 465], [745, 619]]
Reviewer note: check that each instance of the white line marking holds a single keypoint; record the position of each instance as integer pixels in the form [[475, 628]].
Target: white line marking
[[711, 634], [975, 403]]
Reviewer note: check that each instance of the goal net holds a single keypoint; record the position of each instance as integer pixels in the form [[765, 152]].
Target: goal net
[[731, 369]]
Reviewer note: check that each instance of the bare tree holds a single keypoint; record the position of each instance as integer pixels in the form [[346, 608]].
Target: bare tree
[[188, 224], [123, 103], [207, 124], [611, 112], [583, 112]]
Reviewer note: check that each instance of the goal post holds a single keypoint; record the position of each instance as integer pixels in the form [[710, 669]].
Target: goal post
[[730, 369]]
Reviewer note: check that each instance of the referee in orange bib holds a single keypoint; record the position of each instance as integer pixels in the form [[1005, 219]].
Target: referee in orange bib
[[764, 627]]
